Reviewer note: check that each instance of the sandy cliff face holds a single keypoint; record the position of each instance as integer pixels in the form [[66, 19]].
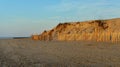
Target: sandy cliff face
[[78, 28]]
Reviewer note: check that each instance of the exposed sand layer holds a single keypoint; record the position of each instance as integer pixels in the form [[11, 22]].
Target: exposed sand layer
[[74, 30], [29, 53]]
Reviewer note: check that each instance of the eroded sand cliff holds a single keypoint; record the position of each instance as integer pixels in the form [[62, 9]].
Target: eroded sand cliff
[[73, 30]]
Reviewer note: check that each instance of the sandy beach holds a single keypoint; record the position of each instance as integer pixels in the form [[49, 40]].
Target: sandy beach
[[30, 53]]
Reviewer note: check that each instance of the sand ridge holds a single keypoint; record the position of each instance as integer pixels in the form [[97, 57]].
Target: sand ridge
[[100, 30]]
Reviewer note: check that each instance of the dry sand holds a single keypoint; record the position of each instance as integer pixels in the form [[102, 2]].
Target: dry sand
[[29, 53]]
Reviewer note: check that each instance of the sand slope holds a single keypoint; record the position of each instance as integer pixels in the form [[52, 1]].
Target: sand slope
[[73, 28]]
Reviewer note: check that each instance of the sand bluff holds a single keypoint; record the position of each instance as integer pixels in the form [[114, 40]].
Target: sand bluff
[[95, 30]]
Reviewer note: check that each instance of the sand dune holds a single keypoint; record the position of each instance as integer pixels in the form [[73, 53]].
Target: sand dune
[[29, 53], [94, 30]]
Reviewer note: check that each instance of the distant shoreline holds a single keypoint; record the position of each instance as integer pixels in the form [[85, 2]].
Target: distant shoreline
[[14, 37], [20, 37]]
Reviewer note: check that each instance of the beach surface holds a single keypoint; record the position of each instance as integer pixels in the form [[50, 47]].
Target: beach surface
[[31, 53]]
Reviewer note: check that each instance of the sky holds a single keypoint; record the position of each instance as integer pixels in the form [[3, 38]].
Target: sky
[[27, 17]]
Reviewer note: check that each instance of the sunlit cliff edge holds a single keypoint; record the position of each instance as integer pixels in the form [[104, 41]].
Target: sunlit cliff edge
[[87, 30]]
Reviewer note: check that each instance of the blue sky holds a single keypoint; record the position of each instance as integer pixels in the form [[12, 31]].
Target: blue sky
[[26, 17]]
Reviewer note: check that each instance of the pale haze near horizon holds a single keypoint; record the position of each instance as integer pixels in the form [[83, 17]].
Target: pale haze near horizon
[[27, 17]]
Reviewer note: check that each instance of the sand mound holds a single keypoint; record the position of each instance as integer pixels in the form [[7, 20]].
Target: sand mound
[[73, 30]]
